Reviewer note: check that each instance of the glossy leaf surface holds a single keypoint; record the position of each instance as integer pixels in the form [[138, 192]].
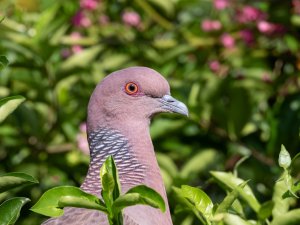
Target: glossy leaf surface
[[52, 201]]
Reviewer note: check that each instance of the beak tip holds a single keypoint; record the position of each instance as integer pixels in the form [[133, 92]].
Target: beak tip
[[173, 105], [187, 114], [182, 109]]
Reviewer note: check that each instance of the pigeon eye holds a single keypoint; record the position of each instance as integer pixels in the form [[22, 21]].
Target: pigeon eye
[[131, 88]]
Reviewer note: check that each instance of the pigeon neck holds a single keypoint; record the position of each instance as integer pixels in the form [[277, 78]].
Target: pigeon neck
[[133, 155]]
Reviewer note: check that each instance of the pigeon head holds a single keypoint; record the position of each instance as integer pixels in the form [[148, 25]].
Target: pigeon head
[[131, 95], [119, 113]]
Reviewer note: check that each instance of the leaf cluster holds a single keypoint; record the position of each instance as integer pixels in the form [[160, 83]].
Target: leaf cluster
[[231, 210], [10, 208], [112, 202]]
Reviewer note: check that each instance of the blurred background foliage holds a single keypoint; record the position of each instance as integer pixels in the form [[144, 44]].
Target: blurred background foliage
[[234, 63]]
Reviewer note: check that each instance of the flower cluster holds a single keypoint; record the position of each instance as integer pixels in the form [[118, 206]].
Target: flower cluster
[[221, 4], [250, 23], [211, 25], [246, 16], [89, 4], [92, 13], [131, 18], [82, 19]]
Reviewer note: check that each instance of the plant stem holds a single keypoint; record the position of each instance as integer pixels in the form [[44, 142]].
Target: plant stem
[[115, 219]]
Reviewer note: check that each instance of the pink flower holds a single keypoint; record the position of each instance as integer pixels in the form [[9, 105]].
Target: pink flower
[[66, 52], [81, 20], [227, 41], [75, 35], [89, 4], [76, 20], [214, 65], [76, 48], [266, 27], [131, 19], [266, 77], [211, 25], [250, 14], [296, 6], [86, 22], [247, 36], [82, 127], [221, 4], [82, 142]]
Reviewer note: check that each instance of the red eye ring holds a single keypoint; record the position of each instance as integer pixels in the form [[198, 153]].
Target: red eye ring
[[131, 88]]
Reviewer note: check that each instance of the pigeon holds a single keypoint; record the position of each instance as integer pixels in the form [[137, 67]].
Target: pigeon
[[119, 113]]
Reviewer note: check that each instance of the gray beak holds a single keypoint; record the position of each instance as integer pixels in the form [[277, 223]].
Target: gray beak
[[171, 104]]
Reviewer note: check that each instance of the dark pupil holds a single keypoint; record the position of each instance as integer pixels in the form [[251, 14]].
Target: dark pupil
[[132, 87]]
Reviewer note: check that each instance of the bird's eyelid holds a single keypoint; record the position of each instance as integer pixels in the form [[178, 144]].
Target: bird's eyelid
[[131, 88]]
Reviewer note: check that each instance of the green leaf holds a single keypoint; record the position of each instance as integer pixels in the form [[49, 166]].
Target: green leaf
[[140, 194], [265, 210], [292, 43], [188, 220], [10, 210], [230, 182], [230, 219], [175, 52], [167, 163], [110, 182], [238, 208], [154, 14], [52, 200], [186, 205], [295, 19], [229, 199], [293, 193], [9, 104], [166, 5], [161, 127], [208, 157], [290, 218], [284, 159], [281, 206], [12, 180], [109, 177], [3, 62], [110, 62], [168, 169], [164, 43], [81, 59], [295, 158], [79, 202], [199, 198], [47, 24], [288, 180]]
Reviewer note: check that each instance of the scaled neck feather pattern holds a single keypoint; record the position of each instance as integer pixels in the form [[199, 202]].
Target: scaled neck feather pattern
[[104, 142]]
